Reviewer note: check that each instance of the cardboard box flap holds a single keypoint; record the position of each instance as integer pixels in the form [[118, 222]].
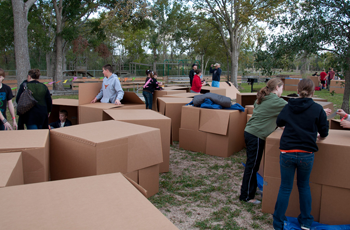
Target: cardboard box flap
[[137, 186], [214, 121], [88, 91], [131, 98], [134, 114], [231, 90], [8, 162], [185, 95], [102, 106], [171, 100], [98, 202], [67, 102], [27, 139], [175, 88]]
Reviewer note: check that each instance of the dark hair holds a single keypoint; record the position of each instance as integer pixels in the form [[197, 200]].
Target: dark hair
[[2, 72], [270, 86], [65, 112], [108, 67], [150, 73], [154, 74], [198, 71], [306, 88], [194, 65], [34, 73]]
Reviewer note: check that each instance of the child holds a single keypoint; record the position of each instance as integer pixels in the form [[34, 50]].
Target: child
[[155, 76], [263, 122], [6, 99], [148, 89], [302, 119], [196, 82], [62, 122]]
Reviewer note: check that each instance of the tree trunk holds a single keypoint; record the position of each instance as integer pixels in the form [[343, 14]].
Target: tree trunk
[[59, 46], [346, 96], [234, 64], [303, 65], [48, 64], [228, 68]]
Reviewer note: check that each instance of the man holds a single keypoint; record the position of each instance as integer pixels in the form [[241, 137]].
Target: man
[[323, 75], [191, 74], [216, 75], [6, 100], [111, 91], [331, 74]]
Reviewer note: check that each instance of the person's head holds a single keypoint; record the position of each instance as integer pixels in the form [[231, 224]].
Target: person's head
[[155, 75], [198, 72], [324, 70], [275, 85], [217, 65], [2, 75], [149, 73], [34, 74], [107, 70], [306, 88], [194, 66], [63, 114]]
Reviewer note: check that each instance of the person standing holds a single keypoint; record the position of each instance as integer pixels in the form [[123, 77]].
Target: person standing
[[216, 75], [6, 100], [331, 75], [149, 87], [191, 74], [111, 91], [323, 76], [197, 83]]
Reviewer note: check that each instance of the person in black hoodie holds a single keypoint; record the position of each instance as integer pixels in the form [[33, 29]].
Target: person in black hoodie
[[303, 120]]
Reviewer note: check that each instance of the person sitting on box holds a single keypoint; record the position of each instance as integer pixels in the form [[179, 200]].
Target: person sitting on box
[[111, 91], [62, 122], [345, 121]]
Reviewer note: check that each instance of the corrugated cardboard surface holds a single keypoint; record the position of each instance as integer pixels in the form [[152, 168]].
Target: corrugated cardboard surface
[[103, 147], [34, 145], [249, 108], [190, 117], [326, 105], [193, 140], [11, 169], [177, 88], [231, 90], [246, 98], [98, 202], [335, 124], [337, 86], [207, 89], [249, 116], [291, 84], [161, 93], [149, 179], [185, 95], [315, 80], [148, 118], [88, 91], [71, 105], [172, 107]]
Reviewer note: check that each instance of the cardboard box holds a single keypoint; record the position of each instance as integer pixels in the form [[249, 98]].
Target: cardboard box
[[34, 145], [177, 88], [148, 118], [249, 116], [315, 80], [249, 108], [231, 90], [97, 202], [183, 95], [166, 91], [335, 124], [325, 105], [291, 84], [172, 107], [11, 169], [271, 189], [103, 147], [246, 98], [319, 99], [71, 105], [337, 86], [208, 89], [193, 140], [335, 203]]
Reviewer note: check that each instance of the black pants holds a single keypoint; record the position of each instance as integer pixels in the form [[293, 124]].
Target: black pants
[[255, 149]]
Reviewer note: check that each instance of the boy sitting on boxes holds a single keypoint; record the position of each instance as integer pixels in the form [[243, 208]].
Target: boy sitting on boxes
[[62, 122]]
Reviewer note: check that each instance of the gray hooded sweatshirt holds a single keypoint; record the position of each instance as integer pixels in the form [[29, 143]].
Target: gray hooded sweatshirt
[[111, 90]]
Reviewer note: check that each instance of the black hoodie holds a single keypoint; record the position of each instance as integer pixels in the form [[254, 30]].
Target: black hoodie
[[303, 119]]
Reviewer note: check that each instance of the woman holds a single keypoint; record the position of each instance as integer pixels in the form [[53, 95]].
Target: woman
[[36, 117], [151, 84], [196, 82]]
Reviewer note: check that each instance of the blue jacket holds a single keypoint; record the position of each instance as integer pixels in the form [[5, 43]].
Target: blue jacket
[[216, 74]]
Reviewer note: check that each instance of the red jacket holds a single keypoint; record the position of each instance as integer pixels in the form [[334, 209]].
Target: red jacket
[[196, 84], [323, 76]]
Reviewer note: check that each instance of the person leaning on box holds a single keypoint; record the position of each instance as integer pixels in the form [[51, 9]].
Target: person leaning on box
[[111, 91], [345, 123]]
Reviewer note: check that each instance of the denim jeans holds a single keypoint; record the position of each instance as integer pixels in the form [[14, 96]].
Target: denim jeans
[[289, 162], [34, 127], [148, 99], [215, 84], [191, 91]]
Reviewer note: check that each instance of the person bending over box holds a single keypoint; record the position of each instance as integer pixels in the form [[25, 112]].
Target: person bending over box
[[62, 122], [111, 91]]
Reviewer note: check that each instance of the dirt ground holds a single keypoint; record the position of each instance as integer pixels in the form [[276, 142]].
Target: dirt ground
[[201, 192]]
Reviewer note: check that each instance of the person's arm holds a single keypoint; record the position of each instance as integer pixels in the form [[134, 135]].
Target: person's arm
[[48, 100], [211, 70], [219, 72], [323, 125], [280, 122], [12, 112], [119, 90], [5, 122]]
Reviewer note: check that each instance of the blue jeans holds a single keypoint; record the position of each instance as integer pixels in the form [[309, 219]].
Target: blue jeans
[[148, 99], [34, 127], [303, 163], [215, 84], [191, 91]]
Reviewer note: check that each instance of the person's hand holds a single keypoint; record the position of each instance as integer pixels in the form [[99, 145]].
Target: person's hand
[[212, 65], [319, 138], [48, 115], [341, 112], [345, 124], [281, 128], [93, 101], [14, 125], [7, 126], [328, 111], [117, 102]]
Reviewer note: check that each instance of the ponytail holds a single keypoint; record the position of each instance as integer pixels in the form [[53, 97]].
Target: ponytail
[[270, 86]]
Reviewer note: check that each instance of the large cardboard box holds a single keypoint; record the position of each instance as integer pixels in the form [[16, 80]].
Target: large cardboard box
[[104, 147], [183, 95], [246, 98], [34, 145], [231, 90], [193, 140], [148, 118], [335, 124], [224, 129], [70, 105], [291, 84], [249, 116], [315, 80], [177, 88], [11, 169], [166, 91], [326, 105], [97, 202], [249, 108], [208, 89], [172, 107], [337, 86]]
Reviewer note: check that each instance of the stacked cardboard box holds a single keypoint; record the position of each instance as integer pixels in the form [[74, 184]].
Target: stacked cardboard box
[[208, 89], [166, 91], [107, 147], [337, 86], [34, 145], [11, 169], [231, 90], [291, 84], [97, 202], [182, 95], [214, 132], [330, 189], [246, 98], [148, 118]]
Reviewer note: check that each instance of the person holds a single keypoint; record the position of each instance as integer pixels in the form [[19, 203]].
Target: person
[[331, 74], [197, 83], [323, 76], [216, 75], [303, 120], [62, 120], [111, 91], [345, 123], [149, 87], [315, 74], [262, 123], [191, 74], [6, 101], [36, 117]]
